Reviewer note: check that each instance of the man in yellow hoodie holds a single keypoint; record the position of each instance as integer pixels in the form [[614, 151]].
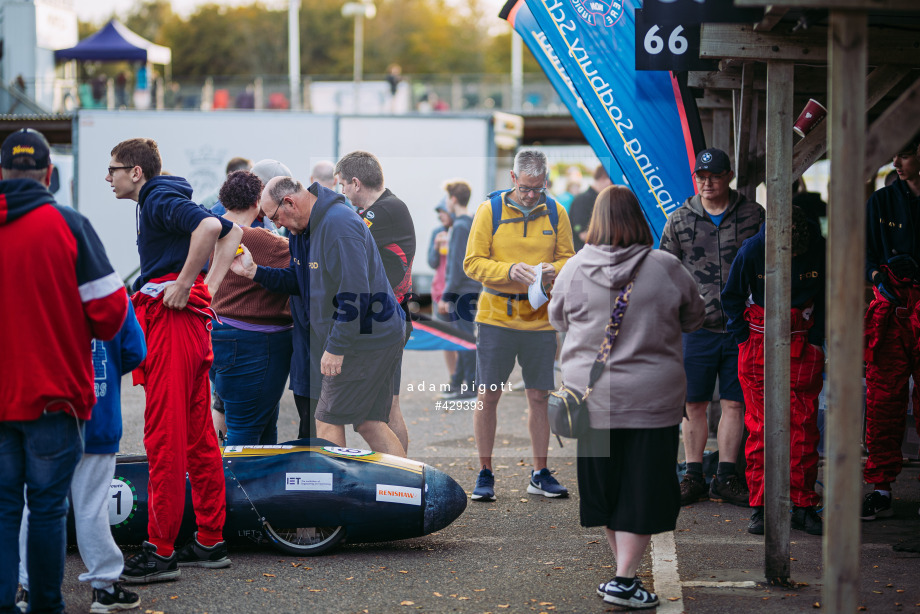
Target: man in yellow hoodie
[[515, 234]]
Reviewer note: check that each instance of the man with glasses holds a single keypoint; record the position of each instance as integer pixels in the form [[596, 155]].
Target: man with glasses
[[515, 234], [705, 233], [175, 238]]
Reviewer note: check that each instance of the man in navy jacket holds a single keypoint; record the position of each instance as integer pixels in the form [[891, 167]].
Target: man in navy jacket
[[348, 328]]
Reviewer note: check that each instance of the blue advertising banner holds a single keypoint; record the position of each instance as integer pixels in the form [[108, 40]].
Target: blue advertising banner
[[639, 116]]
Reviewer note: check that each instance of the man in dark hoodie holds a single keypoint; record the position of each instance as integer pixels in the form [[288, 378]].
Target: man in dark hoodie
[[705, 233], [349, 330], [59, 292], [172, 298], [747, 278], [891, 327]]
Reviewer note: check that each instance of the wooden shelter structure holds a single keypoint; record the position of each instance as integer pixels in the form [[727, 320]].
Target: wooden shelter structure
[[862, 57]]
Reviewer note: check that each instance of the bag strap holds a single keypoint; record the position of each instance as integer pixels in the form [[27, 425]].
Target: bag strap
[[611, 331]]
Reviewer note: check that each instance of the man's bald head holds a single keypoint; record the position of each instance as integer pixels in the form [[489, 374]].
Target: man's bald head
[[324, 174]]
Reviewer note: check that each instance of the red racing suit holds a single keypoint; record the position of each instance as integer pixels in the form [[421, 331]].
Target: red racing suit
[[892, 355], [805, 368], [178, 432]]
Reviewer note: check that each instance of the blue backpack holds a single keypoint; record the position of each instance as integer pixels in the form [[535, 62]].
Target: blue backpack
[[495, 198]]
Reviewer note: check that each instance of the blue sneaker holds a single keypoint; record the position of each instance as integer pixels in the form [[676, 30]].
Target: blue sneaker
[[485, 486], [543, 483]]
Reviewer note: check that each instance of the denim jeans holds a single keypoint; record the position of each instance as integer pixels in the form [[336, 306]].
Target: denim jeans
[[41, 456], [250, 370]]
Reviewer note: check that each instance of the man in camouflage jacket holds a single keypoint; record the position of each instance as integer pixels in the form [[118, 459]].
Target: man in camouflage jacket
[[705, 234]]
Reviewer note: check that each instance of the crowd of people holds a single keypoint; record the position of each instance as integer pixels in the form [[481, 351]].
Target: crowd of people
[[223, 297]]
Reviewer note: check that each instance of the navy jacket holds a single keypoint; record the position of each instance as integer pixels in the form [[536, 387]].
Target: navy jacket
[[166, 219], [456, 281], [892, 224], [111, 360], [341, 300], [747, 279]]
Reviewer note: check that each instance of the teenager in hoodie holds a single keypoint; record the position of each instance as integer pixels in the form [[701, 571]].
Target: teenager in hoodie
[[626, 462], [59, 292], [743, 300], [175, 238], [705, 233], [349, 331]]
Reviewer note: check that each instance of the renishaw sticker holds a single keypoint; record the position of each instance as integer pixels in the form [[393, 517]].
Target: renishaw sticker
[[308, 481], [399, 494], [122, 501]]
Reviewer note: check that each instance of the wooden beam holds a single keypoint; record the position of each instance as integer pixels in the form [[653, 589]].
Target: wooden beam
[[716, 79], [861, 5], [846, 251], [891, 129], [722, 130], [744, 100], [714, 100], [771, 17], [887, 45], [777, 323], [879, 82]]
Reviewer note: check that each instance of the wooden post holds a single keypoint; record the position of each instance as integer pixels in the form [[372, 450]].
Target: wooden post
[[722, 130], [778, 320], [847, 42]]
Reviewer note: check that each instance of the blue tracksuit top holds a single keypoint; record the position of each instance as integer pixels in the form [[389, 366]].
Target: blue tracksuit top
[[111, 360], [341, 300], [747, 278], [166, 219]]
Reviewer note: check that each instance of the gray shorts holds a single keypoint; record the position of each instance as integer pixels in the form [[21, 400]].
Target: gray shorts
[[363, 390], [498, 347]]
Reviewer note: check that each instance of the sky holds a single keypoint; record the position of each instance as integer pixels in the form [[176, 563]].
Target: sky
[[96, 11]]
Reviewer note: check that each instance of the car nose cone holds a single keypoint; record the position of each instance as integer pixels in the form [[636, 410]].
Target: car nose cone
[[445, 500]]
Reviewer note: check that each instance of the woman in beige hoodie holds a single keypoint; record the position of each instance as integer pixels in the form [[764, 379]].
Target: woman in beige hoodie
[[626, 464]]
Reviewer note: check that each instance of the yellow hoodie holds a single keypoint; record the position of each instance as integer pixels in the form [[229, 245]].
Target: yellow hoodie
[[489, 259]]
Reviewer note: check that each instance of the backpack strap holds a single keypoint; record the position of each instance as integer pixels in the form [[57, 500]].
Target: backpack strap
[[495, 199]]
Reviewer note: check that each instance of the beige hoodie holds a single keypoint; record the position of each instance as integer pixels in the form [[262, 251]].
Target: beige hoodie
[[644, 385]]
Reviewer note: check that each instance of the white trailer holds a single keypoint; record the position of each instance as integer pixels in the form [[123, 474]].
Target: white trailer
[[418, 153]]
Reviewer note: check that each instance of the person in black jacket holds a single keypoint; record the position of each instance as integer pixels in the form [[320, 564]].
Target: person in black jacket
[[583, 206], [891, 327], [390, 223]]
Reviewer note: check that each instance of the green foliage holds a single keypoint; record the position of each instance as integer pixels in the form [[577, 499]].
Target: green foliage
[[422, 36]]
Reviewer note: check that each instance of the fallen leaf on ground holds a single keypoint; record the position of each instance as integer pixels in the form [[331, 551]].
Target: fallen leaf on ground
[[406, 603], [269, 575]]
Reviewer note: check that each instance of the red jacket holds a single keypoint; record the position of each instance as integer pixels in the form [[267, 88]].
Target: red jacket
[[59, 291]]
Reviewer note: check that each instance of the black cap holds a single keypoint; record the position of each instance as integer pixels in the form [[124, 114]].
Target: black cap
[[24, 150], [712, 160]]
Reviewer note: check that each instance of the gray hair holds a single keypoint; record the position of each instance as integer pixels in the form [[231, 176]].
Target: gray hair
[[363, 165], [530, 162], [284, 187], [38, 174], [323, 172], [269, 169]]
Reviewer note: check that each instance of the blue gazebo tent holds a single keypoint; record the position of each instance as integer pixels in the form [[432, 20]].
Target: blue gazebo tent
[[114, 43]]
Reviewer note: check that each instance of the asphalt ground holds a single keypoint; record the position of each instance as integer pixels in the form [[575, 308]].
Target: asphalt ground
[[521, 553]]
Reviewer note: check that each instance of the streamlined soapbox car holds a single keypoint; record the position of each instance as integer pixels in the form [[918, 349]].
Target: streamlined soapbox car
[[304, 497]]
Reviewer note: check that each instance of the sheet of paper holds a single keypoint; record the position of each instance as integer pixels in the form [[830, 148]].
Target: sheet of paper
[[535, 293]]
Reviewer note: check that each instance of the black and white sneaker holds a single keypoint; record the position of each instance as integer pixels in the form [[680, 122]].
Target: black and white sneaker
[[876, 505], [193, 554], [148, 566], [22, 599], [631, 596], [118, 599]]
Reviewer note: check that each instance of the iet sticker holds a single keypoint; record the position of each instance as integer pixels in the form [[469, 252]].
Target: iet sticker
[[308, 481], [399, 494]]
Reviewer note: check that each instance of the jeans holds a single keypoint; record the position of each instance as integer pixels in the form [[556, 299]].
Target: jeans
[[89, 497], [250, 371], [41, 456]]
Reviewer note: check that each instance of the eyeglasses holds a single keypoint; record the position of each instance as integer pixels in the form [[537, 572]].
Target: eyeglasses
[[277, 209], [532, 191], [711, 178], [112, 169]]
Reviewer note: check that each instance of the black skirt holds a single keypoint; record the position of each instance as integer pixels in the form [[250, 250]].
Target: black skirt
[[627, 479]]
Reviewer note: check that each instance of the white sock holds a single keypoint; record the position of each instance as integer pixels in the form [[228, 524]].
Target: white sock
[[887, 493]]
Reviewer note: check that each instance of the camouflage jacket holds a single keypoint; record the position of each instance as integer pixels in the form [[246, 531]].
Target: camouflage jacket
[[707, 250]]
